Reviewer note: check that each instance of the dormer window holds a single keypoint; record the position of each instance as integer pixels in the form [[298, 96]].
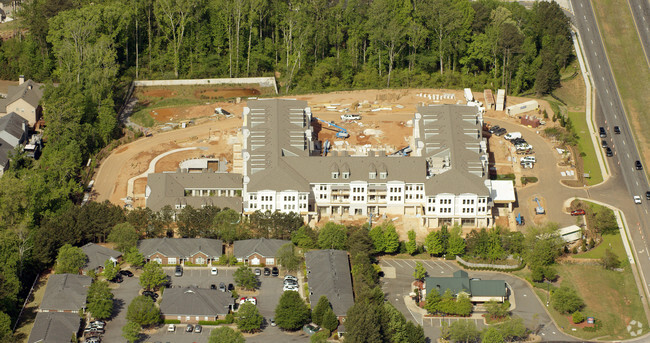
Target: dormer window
[[372, 175], [383, 175], [335, 175], [346, 175]]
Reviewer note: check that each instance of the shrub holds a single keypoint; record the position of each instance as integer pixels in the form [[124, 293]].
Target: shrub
[[566, 300], [171, 321], [577, 317]]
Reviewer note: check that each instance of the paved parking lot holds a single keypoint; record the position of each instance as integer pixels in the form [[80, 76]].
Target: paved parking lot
[[398, 279], [123, 294]]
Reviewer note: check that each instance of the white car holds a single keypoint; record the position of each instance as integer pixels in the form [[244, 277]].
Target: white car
[[213, 271], [530, 159], [350, 117], [171, 328], [637, 199], [251, 300], [290, 277], [290, 288]]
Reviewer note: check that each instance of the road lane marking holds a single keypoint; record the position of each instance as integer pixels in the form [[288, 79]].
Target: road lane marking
[[399, 264]]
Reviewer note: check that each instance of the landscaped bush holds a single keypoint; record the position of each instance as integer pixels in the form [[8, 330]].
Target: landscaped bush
[[172, 321], [577, 317], [566, 300], [528, 179]]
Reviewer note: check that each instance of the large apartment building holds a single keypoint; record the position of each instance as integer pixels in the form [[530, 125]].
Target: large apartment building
[[443, 182]]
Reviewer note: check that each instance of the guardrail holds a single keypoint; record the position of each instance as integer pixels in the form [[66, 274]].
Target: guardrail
[[488, 266]]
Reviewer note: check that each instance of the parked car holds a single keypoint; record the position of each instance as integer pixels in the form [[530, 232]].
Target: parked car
[[258, 271], [350, 117], [609, 152], [290, 288], [578, 212], [494, 128], [603, 143], [272, 322], [275, 271], [150, 294], [178, 271], [267, 271], [97, 323], [602, 132], [500, 132], [231, 287], [117, 279], [198, 328], [528, 159], [647, 195], [189, 328], [222, 287], [214, 271], [617, 130], [171, 328], [93, 340], [638, 165], [290, 277], [290, 282], [213, 286], [251, 300], [310, 329], [637, 199], [127, 273]]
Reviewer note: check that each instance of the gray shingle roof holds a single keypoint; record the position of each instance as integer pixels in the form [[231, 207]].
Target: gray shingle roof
[[192, 301], [97, 255], [180, 247], [54, 327], [29, 91], [14, 125], [66, 292], [264, 247], [169, 189], [328, 273]]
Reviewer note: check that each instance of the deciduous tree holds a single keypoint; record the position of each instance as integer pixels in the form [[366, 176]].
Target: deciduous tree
[[245, 278], [124, 236], [110, 270], [288, 257], [420, 272], [225, 334], [143, 311], [566, 300], [433, 242], [100, 300], [152, 276], [249, 318], [332, 236], [292, 312], [131, 331], [320, 308], [70, 260], [330, 321]]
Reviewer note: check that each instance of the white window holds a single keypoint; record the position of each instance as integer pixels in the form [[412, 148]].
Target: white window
[[372, 175], [171, 260], [270, 261], [239, 259], [346, 175], [157, 260], [335, 175], [199, 260], [383, 175]]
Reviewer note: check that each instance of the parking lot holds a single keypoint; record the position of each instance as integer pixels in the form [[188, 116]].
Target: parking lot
[[398, 279]]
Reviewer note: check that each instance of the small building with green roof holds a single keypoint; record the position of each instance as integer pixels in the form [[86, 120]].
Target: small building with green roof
[[478, 290]]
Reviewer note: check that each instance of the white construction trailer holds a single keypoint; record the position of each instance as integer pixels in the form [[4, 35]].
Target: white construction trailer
[[501, 99], [468, 94], [522, 108]]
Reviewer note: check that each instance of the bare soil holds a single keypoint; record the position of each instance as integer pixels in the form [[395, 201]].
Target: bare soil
[[227, 93], [158, 93]]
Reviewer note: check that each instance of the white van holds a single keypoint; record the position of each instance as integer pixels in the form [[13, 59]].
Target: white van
[[512, 135], [530, 159], [350, 117]]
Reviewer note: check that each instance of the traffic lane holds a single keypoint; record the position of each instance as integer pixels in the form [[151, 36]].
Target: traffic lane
[[200, 276], [122, 296], [179, 335], [269, 295], [640, 12]]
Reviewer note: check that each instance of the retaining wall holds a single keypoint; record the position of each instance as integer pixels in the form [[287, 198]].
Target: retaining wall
[[486, 265], [261, 81]]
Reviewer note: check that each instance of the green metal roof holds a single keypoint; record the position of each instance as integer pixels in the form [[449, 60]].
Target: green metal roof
[[460, 282]]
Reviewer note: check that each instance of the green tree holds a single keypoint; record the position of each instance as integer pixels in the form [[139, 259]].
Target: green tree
[[463, 305], [496, 309], [433, 242], [249, 318], [124, 236], [610, 260], [330, 321], [566, 300], [152, 276], [288, 257], [391, 238], [6, 334], [605, 221], [577, 317], [305, 238], [378, 239], [433, 302], [245, 278], [512, 329], [110, 270], [332, 236], [143, 311], [456, 243], [225, 334], [227, 259], [70, 260], [411, 245], [131, 331], [173, 17], [320, 309], [363, 323], [292, 312], [100, 300], [134, 258], [464, 330], [420, 272], [492, 335]]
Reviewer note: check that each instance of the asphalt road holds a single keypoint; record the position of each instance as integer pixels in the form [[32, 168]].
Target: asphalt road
[[626, 181], [641, 13]]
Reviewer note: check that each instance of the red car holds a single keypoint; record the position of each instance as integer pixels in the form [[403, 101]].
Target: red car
[[578, 213]]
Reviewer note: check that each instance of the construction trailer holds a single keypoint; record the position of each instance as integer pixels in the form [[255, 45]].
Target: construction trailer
[[501, 99], [468, 94], [527, 106], [489, 99]]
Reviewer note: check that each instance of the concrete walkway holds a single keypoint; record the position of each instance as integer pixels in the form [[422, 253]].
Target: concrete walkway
[[152, 168]]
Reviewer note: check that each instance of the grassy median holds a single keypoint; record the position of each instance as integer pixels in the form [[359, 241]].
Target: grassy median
[[586, 147], [628, 64]]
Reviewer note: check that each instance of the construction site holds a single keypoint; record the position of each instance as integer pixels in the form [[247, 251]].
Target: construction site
[[354, 121]]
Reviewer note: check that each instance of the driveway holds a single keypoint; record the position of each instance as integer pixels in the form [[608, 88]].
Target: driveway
[[527, 306], [123, 294]]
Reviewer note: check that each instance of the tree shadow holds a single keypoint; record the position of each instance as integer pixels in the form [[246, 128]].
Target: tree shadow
[[118, 306]]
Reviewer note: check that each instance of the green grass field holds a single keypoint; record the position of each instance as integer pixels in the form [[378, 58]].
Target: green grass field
[[628, 64], [586, 147], [613, 242]]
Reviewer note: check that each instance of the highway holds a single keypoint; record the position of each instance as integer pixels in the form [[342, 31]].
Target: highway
[[625, 181], [641, 13]]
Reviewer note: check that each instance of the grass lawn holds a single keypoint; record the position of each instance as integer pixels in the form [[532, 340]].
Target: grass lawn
[[586, 147], [628, 64], [143, 118], [10, 25], [613, 242]]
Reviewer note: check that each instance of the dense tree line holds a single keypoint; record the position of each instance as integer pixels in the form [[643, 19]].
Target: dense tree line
[[311, 45]]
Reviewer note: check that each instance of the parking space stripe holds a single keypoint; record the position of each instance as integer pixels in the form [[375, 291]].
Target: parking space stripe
[[409, 264], [397, 263], [388, 263]]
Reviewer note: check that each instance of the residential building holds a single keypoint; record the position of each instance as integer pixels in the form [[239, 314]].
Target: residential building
[[13, 132], [65, 293], [96, 256], [183, 188], [328, 274], [181, 250], [256, 252], [478, 290], [191, 304], [443, 182], [24, 100], [53, 327]]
